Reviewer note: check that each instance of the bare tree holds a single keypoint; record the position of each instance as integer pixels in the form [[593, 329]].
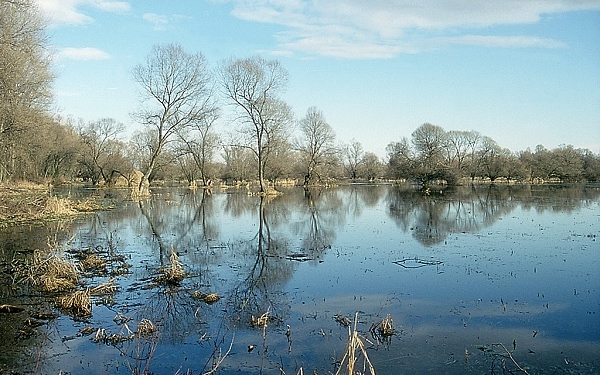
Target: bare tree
[[252, 85], [353, 154], [371, 167], [25, 80], [316, 146], [176, 94], [100, 140], [200, 142], [400, 159], [429, 142]]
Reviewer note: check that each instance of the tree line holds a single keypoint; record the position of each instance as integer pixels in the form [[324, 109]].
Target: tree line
[[181, 104]]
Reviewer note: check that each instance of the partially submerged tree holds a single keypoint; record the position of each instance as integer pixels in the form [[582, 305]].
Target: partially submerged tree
[[176, 94], [316, 147], [252, 85]]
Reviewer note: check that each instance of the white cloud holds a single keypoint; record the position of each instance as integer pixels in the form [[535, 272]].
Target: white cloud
[[505, 41], [161, 22], [70, 12], [84, 54], [385, 28], [158, 21]]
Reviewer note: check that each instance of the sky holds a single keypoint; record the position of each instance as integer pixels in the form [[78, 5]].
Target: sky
[[522, 72]]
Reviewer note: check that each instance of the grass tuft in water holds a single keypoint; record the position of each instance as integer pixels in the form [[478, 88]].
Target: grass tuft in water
[[355, 348], [174, 273], [78, 303]]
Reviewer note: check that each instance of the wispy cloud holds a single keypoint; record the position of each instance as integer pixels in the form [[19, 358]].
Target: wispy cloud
[[384, 28], [84, 54], [161, 22], [71, 12]]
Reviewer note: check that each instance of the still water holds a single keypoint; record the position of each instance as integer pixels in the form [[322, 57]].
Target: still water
[[477, 280]]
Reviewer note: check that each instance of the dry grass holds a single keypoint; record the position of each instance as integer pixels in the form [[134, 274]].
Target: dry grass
[[262, 321], [386, 326], [77, 303], [51, 272], [27, 202], [146, 328], [104, 289], [354, 349], [58, 207], [92, 262], [174, 273], [209, 298]]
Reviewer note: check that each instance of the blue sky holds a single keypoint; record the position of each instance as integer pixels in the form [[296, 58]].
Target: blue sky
[[523, 72]]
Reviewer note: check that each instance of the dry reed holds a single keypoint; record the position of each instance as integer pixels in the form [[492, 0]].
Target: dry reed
[[174, 273], [386, 326], [58, 207], [78, 303], [51, 273], [92, 262], [354, 348], [104, 289]]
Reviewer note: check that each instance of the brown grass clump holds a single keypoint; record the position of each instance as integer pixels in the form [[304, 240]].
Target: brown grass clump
[[262, 321], [92, 262], [174, 273], [354, 349], [209, 298], [104, 289], [386, 326], [146, 328], [58, 207], [52, 273], [87, 205], [77, 303]]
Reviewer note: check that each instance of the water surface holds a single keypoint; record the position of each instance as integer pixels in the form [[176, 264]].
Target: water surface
[[464, 274]]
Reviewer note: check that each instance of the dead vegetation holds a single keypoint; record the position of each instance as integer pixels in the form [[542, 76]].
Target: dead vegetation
[[384, 328], [50, 272], [173, 274], [77, 303], [209, 298], [27, 202], [355, 349], [92, 262]]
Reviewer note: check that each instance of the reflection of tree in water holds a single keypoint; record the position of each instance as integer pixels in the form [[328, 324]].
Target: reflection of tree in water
[[267, 270], [467, 209], [186, 221], [433, 217], [320, 213]]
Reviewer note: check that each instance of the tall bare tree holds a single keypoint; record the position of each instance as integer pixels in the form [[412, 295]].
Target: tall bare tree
[[252, 85], [353, 154], [176, 94], [316, 146], [25, 79]]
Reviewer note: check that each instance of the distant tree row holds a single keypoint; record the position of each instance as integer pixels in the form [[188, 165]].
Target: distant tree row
[[434, 154], [181, 108]]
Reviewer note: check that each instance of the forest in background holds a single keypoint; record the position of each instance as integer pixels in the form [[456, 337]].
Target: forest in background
[[181, 104]]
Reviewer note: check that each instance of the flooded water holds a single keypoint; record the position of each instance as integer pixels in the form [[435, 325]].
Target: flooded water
[[477, 281]]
